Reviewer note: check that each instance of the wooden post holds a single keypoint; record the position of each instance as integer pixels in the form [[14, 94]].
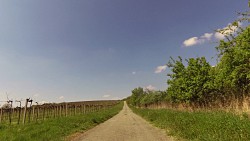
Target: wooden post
[[30, 108], [37, 113], [60, 110], [25, 110], [9, 112], [1, 115], [19, 114], [84, 108], [82, 111], [54, 110], [66, 109], [43, 112], [75, 109], [57, 110], [33, 112]]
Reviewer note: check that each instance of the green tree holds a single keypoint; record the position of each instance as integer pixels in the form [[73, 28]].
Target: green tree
[[234, 67], [137, 94], [187, 84]]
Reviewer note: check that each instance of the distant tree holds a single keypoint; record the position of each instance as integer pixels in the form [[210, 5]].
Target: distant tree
[[137, 94]]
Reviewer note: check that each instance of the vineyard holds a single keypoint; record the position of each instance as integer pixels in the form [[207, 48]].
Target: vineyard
[[35, 113]]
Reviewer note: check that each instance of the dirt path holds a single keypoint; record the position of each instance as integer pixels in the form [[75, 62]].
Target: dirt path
[[125, 126]]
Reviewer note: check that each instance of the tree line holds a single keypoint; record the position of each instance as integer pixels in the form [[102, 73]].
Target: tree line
[[195, 81]]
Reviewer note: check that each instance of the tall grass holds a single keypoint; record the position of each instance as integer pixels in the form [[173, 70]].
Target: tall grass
[[56, 129], [205, 126]]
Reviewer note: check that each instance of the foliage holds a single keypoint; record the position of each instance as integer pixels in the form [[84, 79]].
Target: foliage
[[234, 64], [209, 126], [137, 94], [196, 81], [142, 97], [187, 84]]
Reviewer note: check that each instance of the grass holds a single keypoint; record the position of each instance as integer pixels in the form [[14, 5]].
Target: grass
[[56, 129], [204, 126]]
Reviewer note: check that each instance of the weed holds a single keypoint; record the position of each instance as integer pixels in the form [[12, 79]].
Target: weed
[[209, 126]]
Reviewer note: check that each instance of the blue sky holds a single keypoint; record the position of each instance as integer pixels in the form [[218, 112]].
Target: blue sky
[[61, 50]]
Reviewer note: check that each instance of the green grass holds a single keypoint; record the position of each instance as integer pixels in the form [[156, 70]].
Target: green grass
[[202, 126], [56, 129]]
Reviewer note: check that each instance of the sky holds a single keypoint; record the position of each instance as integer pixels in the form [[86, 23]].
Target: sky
[[74, 50]]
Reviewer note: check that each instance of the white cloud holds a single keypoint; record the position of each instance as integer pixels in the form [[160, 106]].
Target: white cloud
[[106, 96], [207, 36], [229, 29], [160, 69], [133, 72], [219, 36], [61, 97], [150, 88], [191, 41], [198, 40]]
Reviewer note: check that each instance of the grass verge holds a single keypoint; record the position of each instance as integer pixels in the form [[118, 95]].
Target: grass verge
[[205, 126], [56, 129]]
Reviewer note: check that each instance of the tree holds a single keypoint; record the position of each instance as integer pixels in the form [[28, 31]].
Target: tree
[[187, 84], [137, 93]]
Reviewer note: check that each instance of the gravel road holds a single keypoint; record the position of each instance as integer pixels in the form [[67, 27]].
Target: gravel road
[[125, 126]]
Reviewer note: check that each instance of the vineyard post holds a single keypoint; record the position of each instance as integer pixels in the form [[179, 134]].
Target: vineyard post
[[43, 112], [54, 109], [37, 111], [66, 109], [25, 110], [30, 108], [10, 110], [60, 110], [81, 110], [1, 115], [48, 112], [84, 108], [75, 109], [19, 111], [57, 112], [33, 112]]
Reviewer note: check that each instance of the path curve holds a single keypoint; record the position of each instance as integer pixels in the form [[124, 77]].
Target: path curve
[[125, 126]]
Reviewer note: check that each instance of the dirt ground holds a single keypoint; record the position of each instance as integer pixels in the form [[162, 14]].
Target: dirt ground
[[125, 126]]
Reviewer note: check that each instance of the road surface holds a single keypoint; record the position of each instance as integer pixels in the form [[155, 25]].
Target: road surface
[[125, 126]]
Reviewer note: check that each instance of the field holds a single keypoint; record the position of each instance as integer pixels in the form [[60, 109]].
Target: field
[[58, 128], [34, 113]]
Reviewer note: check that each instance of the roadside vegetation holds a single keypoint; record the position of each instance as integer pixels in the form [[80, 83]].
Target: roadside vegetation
[[194, 83], [57, 129], [204, 102], [205, 126]]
